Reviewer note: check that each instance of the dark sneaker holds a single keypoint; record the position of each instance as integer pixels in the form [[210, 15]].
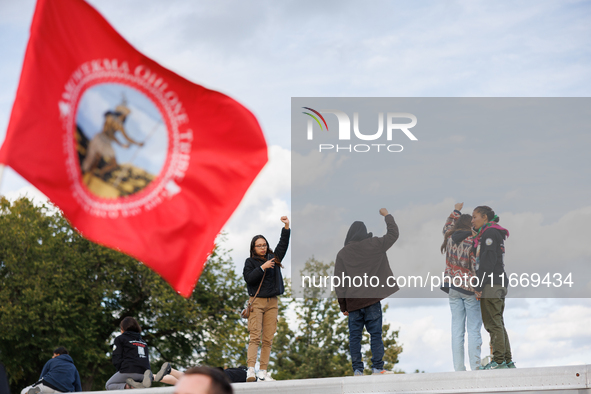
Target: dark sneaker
[[164, 370], [511, 364], [133, 384], [147, 382], [144, 384]]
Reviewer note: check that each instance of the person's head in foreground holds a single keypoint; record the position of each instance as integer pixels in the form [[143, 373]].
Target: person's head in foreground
[[203, 380], [59, 351]]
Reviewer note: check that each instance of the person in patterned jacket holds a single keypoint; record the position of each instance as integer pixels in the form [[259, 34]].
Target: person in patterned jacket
[[459, 271]]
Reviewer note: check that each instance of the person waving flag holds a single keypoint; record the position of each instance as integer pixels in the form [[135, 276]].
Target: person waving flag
[[138, 158]]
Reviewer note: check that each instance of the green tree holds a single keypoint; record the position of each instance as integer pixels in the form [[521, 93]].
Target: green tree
[[59, 289], [319, 347]]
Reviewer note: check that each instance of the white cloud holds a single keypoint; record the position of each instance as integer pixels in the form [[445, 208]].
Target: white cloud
[[538, 339], [532, 247], [555, 332], [29, 192], [425, 336], [313, 167], [324, 238], [558, 325]]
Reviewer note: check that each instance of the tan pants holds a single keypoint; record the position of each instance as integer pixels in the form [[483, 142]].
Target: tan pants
[[262, 322]]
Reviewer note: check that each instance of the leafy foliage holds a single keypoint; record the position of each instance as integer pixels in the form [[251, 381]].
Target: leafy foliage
[[59, 289]]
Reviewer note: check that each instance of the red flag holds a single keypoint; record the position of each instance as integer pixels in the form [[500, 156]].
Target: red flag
[[138, 158]]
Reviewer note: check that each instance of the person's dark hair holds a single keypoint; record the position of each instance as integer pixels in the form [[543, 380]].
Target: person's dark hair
[[219, 381], [464, 222], [490, 214], [130, 324], [253, 253], [60, 350]]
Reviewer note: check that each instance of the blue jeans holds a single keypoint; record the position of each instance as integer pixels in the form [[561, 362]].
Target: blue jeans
[[465, 315], [371, 318]]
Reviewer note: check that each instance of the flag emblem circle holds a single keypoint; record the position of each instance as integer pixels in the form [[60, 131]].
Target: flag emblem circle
[[122, 141]]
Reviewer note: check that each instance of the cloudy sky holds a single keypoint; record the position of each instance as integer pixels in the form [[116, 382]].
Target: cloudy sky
[[263, 53], [495, 151]]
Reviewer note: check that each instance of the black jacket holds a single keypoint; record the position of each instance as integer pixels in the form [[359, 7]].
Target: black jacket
[[236, 375], [253, 273], [130, 353], [365, 255], [490, 259]]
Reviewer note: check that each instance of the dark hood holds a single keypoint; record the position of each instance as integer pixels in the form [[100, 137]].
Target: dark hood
[[490, 226], [65, 357], [133, 335], [357, 232], [460, 235]]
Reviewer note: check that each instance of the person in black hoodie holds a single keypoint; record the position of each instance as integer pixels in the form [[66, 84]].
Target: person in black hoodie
[[489, 242], [59, 375], [131, 357], [262, 270], [365, 256]]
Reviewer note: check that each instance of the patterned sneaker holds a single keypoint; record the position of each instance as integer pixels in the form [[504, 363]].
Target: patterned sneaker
[[164, 370], [381, 372], [357, 373], [495, 365], [34, 390], [250, 375], [264, 376], [511, 364]]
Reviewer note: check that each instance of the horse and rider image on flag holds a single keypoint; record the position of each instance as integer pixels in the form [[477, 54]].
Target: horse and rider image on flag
[[113, 163]]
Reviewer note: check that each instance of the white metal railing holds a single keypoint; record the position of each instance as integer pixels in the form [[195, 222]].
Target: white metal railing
[[523, 380]]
